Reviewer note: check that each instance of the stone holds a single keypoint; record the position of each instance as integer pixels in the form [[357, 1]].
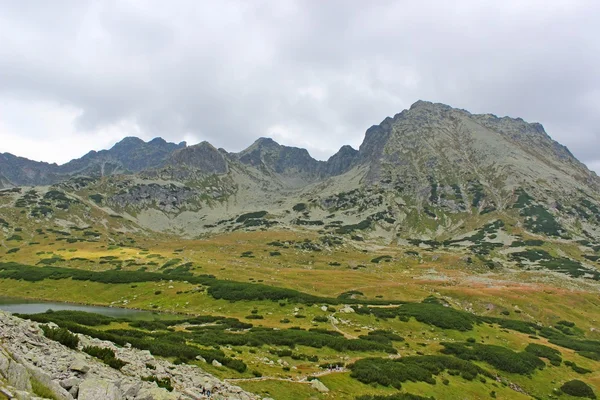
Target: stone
[[80, 366], [70, 382], [18, 376], [319, 386], [131, 389], [4, 363], [154, 394], [95, 389], [74, 391], [215, 363], [347, 310]]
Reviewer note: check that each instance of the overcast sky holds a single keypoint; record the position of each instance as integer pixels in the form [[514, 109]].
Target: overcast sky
[[80, 75]]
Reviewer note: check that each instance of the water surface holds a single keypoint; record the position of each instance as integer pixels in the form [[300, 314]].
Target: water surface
[[24, 306]]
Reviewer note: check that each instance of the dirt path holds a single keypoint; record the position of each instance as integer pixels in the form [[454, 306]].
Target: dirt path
[[346, 335], [273, 378]]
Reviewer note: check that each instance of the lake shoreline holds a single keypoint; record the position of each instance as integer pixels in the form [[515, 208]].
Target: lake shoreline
[[16, 301]]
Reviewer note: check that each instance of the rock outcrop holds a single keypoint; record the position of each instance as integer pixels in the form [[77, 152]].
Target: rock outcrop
[[32, 365]]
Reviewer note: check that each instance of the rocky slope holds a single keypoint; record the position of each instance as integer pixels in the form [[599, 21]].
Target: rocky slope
[[428, 172], [32, 365]]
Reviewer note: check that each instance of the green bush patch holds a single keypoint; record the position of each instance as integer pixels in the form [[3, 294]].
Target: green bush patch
[[578, 388]]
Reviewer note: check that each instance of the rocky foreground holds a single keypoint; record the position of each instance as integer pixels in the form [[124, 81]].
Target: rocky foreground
[[32, 365]]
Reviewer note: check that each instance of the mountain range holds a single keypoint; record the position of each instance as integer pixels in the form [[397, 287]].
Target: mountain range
[[427, 172]]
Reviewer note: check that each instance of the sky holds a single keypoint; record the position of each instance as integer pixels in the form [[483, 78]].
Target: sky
[[77, 75]]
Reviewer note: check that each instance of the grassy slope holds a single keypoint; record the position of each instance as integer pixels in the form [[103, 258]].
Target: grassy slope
[[406, 277]]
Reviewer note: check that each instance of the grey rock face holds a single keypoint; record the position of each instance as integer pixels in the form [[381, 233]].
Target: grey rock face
[[203, 157], [341, 161], [94, 389], [18, 376], [4, 363]]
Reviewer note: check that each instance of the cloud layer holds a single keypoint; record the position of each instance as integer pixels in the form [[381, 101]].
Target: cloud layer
[[77, 75]]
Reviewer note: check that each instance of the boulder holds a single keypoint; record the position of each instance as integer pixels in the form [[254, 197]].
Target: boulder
[[95, 389], [215, 363], [70, 382], [46, 380], [79, 366], [18, 376], [131, 389], [4, 363], [319, 386], [154, 394], [347, 310]]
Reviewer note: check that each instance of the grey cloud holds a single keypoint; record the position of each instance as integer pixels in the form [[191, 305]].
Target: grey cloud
[[319, 72]]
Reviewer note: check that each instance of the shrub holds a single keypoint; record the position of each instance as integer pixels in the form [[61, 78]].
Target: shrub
[[577, 368], [578, 388], [106, 355], [299, 207], [96, 198], [163, 383], [61, 335], [500, 357], [379, 259], [392, 372], [544, 351], [251, 215]]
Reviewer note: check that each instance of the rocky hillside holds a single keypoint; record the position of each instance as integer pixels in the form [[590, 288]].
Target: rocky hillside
[[33, 367], [429, 173]]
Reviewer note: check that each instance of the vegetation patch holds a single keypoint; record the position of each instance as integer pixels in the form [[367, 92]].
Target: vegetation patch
[[61, 335], [540, 350], [393, 372], [578, 388], [379, 259], [361, 226], [504, 359], [251, 215], [106, 355]]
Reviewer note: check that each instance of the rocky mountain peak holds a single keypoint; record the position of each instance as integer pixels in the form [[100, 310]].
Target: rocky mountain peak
[[202, 156], [129, 142]]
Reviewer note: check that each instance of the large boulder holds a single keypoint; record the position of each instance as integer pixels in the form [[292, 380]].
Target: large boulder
[[95, 389], [319, 386], [4, 363], [80, 366], [18, 376]]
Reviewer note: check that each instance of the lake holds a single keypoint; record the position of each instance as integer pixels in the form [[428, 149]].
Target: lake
[[24, 306]]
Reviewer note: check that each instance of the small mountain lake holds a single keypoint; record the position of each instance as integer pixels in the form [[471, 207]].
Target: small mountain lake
[[25, 306]]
